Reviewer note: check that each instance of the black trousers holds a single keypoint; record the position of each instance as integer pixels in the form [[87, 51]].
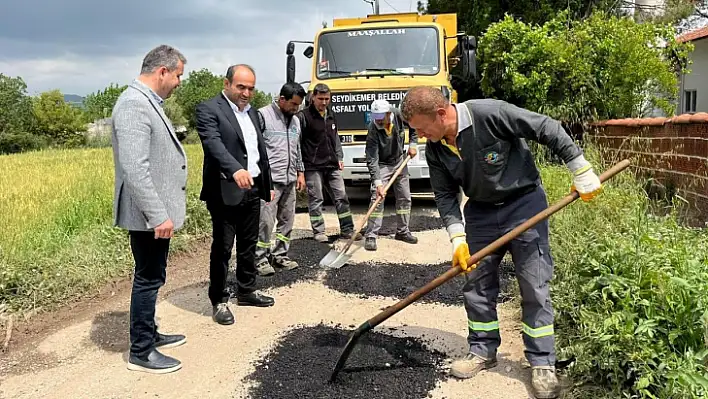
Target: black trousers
[[228, 222], [150, 256]]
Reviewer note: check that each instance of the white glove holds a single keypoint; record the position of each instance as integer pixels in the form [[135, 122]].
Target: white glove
[[585, 181], [456, 242]]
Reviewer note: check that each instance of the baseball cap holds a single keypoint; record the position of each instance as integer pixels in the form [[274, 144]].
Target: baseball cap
[[379, 108]]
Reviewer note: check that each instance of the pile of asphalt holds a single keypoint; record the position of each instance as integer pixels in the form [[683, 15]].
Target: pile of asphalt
[[417, 223], [400, 280], [380, 366]]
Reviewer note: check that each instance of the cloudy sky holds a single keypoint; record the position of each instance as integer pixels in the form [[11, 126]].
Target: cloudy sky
[[81, 46]]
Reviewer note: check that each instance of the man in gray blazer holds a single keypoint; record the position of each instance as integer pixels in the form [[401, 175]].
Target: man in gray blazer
[[150, 200]]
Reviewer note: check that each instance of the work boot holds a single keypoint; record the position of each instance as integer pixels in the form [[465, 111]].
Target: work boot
[[321, 237], [370, 244], [470, 365], [348, 234], [544, 382], [285, 263], [407, 237], [264, 268]]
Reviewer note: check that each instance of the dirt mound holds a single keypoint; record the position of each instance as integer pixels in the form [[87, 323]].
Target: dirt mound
[[399, 280], [380, 366], [417, 224]]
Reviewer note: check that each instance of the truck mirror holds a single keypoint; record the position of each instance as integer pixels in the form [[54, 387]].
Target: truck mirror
[[308, 52], [471, 42], [290, 69], [290, 49]]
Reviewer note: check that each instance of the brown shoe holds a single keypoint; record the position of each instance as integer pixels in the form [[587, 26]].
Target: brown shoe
[[544, 382], [470, 365]]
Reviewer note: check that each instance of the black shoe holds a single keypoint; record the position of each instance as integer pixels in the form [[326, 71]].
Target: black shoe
[[169, 341], [155, 363], [407, 237], [370, 244], [348, 234], [254, 299], [222, 314]]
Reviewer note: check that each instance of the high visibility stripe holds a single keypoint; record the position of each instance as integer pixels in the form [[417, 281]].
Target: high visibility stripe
[[315, 218], [479, 326], [344, 215], [540, 332], [262, 244], [403, 211], [376, 215], [282, 238]]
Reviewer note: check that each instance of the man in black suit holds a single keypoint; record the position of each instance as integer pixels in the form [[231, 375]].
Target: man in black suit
[[236, 177]]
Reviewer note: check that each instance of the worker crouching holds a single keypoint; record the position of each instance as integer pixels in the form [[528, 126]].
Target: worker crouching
[[480, 145], [384, 153]]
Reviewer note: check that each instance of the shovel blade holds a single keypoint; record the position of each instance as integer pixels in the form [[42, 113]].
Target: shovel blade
[[334, 259]]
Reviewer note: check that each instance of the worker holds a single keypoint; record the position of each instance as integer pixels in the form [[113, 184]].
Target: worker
[[481, 146], [323, 158], [384, 153], [281, 132]]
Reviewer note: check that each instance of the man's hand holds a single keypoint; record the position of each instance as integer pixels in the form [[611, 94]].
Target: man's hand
[[165, 230], [412, 151], [461, 254], [300, 185], [341, 165], [243, 179], [272, 195], [380, 193], [587, 184]]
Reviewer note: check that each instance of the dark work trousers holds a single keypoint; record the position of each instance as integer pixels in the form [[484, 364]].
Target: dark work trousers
[[238, 222], [150, 255], [531, 255]]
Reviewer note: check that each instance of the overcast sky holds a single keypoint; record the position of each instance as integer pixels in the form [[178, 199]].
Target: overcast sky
[[81, 46]]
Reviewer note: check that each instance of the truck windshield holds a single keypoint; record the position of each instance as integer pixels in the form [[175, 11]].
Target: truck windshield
[[377, 52]]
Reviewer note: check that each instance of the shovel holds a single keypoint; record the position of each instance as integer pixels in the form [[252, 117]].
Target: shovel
[[335, 259], [503, 240]]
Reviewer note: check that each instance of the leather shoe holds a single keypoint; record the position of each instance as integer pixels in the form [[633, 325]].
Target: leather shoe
[[254, 299], [169, 341], [155, 363], [222, 314], [407, 237]]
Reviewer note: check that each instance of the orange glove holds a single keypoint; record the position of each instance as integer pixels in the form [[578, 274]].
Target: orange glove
[[461, 254]]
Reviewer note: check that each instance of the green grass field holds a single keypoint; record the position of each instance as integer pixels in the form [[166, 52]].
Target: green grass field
[[57, 238]]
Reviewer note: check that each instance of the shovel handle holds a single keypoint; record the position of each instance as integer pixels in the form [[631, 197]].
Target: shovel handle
[[477, 256]]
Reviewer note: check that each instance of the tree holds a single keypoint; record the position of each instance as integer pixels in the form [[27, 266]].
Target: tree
[[15, 106], [100, 105], [201, 85], [60, 122]]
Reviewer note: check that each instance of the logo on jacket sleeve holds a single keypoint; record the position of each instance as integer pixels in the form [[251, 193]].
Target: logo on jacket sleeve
[[491, 157]]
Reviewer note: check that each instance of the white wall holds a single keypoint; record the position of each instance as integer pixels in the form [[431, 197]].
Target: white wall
[[697, 79]]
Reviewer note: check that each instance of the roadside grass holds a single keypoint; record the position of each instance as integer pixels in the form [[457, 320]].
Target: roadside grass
[[57, 240]]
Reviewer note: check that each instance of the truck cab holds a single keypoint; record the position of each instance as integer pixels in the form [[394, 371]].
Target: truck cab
[[381, 57]]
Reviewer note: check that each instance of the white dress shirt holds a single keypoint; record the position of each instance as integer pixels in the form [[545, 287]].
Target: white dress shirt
[[249, 135]]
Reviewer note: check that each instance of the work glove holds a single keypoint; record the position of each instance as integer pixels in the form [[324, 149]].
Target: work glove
[[585, 181], [461, 254]]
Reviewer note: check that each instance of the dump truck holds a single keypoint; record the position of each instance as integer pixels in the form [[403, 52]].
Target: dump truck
[[381, 56]]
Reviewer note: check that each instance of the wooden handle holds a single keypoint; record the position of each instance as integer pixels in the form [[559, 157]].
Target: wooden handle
[[477, 256]]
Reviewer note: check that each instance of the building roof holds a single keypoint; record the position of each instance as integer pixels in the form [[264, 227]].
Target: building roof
[[699, 117], [693, 35]]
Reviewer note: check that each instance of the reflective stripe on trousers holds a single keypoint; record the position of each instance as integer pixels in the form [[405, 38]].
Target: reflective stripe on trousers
[[282, 210], [402, 191]]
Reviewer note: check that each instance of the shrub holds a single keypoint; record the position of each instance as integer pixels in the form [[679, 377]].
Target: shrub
[[11, 143]]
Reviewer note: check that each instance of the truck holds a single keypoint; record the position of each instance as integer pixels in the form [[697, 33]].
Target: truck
[[381, 56]]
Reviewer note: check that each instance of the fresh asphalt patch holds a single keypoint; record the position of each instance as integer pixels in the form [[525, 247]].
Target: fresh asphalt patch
[[380, 366], [395, 280]]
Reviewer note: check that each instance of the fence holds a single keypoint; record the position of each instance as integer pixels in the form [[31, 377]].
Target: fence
[[672, 152]]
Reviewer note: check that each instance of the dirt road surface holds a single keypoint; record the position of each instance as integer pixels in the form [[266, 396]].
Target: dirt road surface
[[80, 351]]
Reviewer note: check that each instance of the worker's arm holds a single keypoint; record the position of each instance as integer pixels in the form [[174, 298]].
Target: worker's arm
[[446, 195], [372, 154], [299, 166]]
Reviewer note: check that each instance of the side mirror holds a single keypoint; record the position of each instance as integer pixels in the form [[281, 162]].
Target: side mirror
[[468, 57], [309, 51], [290, 49]]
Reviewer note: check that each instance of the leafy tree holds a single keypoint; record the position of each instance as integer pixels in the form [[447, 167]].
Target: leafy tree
[[603, 67], [15, 106], [60, 122], [201, 85], [174, 111], [99, 105]]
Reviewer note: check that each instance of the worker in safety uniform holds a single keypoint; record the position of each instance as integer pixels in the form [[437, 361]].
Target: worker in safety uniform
[[384, 153], [281, 132], [480, 145]]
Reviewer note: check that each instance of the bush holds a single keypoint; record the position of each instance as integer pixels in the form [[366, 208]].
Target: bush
[[630, 293], [11, 143]]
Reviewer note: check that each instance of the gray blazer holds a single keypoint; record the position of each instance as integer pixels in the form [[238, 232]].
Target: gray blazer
[[150, 163]]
